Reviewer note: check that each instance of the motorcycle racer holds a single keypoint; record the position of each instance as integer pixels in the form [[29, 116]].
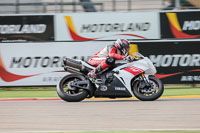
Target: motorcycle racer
[[106, 57], [130, 76]]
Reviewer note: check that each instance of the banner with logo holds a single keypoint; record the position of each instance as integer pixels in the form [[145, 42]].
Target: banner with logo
[[26, 28], [40, 64], [107, 26], [184, 24], [176, 61]]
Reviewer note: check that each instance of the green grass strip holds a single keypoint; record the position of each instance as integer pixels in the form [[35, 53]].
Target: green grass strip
[[50, 92]]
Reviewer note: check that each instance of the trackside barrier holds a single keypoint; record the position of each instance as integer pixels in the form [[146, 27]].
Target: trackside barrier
[[180, 24], [68, 27], [102, 26], [107, 26], [177, 61], [40, 64], [23, 28]]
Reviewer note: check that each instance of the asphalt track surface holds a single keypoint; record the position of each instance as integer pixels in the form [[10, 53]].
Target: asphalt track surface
[[100, 115]]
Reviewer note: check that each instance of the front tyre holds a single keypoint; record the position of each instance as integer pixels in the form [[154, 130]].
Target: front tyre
[[148, 92], [68, 92]]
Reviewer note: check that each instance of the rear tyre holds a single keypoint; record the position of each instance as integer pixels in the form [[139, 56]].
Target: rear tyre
[[148, 93], [70, 93]]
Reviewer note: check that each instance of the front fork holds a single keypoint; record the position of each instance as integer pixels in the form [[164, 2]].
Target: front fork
[[145, 79], [146, 87]]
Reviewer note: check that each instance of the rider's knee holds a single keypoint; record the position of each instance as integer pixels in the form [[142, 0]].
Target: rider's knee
[[110, 61]]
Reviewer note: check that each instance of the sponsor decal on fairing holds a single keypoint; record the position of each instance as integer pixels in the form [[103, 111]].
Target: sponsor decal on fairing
[[134, 70]]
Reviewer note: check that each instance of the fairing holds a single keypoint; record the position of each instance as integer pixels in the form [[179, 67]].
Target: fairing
[[128, 71]]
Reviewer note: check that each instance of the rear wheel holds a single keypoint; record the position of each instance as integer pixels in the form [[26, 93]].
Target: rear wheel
[[67, 91], [148, 91]]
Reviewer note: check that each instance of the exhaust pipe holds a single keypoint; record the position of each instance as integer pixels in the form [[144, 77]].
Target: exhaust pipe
[[73, 63], [71, 70], [73, 66]]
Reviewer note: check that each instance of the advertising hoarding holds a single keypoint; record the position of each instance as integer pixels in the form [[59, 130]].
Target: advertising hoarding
[[26, 28], [184, 24], [107, 26], [38, 64], [176, 61]]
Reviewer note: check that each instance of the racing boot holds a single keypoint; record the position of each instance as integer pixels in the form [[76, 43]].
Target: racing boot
[[93, 74]]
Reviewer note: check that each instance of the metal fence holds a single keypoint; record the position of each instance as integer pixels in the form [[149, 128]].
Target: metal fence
[[57, 6]]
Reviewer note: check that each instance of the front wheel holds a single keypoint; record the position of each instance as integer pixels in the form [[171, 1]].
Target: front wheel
[[67, 91], [148, 91]]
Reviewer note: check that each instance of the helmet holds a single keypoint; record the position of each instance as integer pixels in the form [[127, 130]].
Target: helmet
[[123, 45]]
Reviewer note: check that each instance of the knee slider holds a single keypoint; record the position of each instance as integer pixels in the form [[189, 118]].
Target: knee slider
[[110, 61]]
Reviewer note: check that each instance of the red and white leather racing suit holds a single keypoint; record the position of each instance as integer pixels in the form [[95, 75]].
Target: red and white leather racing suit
[[99, 59]]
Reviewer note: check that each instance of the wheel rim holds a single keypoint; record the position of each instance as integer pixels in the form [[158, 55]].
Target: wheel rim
[[69, 89], [147, 90]]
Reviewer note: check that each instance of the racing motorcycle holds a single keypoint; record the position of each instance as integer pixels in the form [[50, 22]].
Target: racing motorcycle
[[133, 76]]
